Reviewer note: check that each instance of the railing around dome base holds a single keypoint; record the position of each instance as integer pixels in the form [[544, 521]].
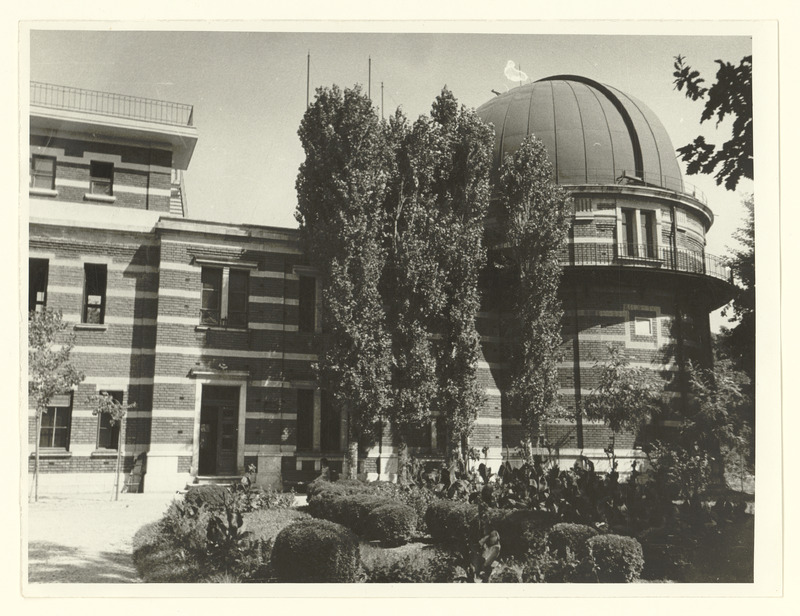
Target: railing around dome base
[[571, 177], [647, 256]]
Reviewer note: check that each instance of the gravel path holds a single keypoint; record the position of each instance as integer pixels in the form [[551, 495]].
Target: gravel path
[[87, 539]]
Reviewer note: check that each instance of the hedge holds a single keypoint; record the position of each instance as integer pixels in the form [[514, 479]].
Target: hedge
[[392, 524], [615, 558], [565, 536], [315, 551], [453, 522]]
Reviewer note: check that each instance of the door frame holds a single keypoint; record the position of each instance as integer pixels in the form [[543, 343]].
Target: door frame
[[221, 380]]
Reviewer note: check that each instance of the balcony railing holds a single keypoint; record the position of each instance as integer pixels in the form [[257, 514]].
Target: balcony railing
[[106, 103], [626, 177], [646, 255]]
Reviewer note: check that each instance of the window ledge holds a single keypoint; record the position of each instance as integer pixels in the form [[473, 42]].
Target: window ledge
[[104, 453], [52, 453], [100, 198], [42, 192], [97, 327], [219, 328]]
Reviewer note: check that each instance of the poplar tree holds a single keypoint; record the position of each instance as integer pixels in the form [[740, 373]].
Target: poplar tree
[[341, 188], [535, 211], [413, 279], [461, 188]]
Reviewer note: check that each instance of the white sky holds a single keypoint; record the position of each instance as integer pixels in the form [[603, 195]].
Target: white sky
[[248, 90]]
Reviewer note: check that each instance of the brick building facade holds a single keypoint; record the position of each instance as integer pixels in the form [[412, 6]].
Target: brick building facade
[[211, 329]]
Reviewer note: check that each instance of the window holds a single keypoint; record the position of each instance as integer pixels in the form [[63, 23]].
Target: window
[[237, 298], [55, 424], [37, 284], [101, 180], [94, 295], [108, 435], [307, 304], [638, 233], [305, 419], [211, 302], [643, 326], [43, 172], [330, 425], [225, 297]]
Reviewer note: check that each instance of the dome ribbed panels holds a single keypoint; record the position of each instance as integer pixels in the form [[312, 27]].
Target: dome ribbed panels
[[593, 133]]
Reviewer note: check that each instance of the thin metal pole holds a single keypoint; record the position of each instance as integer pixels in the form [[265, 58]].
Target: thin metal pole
[[382, 101], [308, 77], [369, 78]]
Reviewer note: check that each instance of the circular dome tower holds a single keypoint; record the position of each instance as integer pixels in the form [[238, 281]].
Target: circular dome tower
[[636, 274]]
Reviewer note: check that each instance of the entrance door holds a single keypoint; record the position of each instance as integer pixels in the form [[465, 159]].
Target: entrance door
[[219, 428]]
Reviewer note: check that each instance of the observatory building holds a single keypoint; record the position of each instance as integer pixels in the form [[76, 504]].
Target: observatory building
[[211, 329]]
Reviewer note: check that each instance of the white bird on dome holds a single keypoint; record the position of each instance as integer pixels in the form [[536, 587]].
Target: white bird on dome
[[513, 73]]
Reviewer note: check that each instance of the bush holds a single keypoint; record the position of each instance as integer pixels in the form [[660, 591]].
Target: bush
[[508, 572], [521, 531], [265, 524], [315, 551], [569, 536], [453, 522], [419, 499], [427, 565], [392, 524], [251, 498], [211, 496], [615, 558], [348, 510], [186, 526]]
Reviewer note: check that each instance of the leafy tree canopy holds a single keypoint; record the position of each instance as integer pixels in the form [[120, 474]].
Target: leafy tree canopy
[[50, 371], [730, 96]]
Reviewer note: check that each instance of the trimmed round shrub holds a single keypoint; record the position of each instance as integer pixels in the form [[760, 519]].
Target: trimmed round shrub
[[615, 558], [419, 499], [521, 531], [572, 536], [211, 496], [348, 510], [392, 524], [453, 522], [315, 551]]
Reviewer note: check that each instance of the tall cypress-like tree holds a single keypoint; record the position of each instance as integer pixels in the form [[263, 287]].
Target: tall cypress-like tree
[[536, 225], [341, 189], [461, 190], [413, 280]]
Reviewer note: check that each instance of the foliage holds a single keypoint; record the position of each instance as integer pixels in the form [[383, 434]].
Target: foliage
[[573, 537], [738, 343], [315, 551], [453, 522], [341, 188], [211, 496], [250, 497], [428, 564], [626, 397], [682, 473], [521, 530], [507, 572], [716, 422], [461, 188], [175, 548], [392, 524], [730, 96], [536, 221], [349, 510], [615, 558], [50, 369], [412, 281]]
